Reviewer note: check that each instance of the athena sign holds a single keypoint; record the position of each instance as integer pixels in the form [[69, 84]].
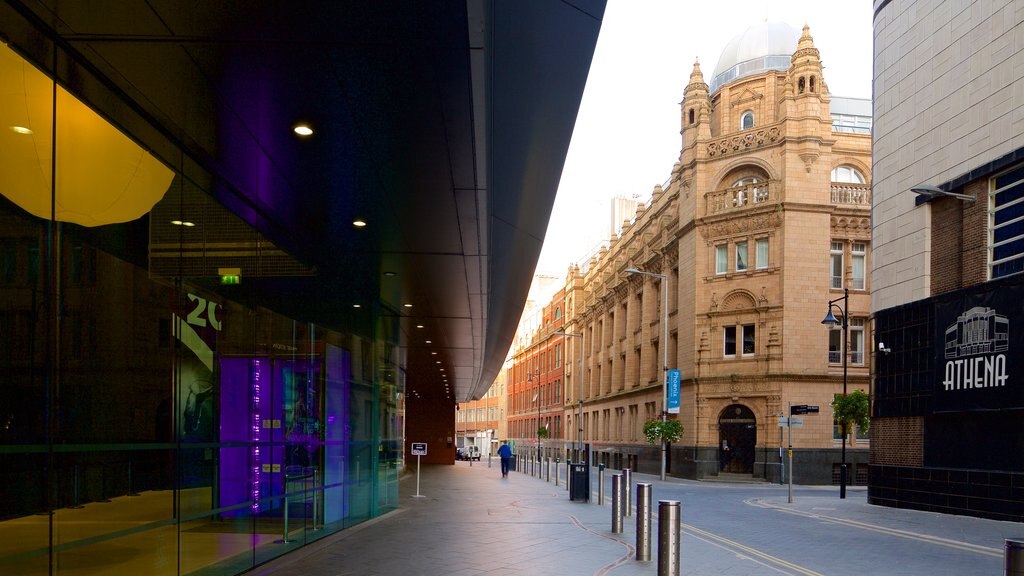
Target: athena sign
[[975, 350], [978, 361]]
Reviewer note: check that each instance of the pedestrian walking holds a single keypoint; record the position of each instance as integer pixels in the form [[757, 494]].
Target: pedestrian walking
[[505, 452]]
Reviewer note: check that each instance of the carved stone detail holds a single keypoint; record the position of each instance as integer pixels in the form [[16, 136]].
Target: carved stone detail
[[741, 142]]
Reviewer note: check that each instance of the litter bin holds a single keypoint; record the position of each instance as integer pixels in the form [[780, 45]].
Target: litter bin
[[512, 463], [579, 482]]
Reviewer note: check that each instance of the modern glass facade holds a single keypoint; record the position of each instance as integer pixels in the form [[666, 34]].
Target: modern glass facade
[[172, 398]]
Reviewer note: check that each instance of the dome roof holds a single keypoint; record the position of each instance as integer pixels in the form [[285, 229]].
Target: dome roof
[[767, 46]]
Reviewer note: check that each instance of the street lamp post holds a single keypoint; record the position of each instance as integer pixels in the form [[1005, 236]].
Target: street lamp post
[[664, 355], [579, 416], [536, 398], [830, 320]]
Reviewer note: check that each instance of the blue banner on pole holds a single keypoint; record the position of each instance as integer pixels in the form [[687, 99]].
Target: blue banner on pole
[[674, 377]]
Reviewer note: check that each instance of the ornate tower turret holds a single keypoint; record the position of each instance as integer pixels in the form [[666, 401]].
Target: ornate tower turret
[[695, 123]]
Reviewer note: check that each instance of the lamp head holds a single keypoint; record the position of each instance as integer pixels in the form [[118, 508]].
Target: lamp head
[[633, 271], [830, 319]]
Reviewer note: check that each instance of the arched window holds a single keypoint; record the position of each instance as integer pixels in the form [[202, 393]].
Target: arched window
[[747, 120], [812, 84], [800, 85], [744, 191], [847, 174], [691, 115], [558, 313]]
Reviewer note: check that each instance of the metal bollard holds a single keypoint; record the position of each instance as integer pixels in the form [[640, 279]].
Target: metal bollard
[[568, 476], [669, 520], [600, 484], [557, 469], [644, 492], [618, 495], [547, 468], [1013, 558], [627, 476]]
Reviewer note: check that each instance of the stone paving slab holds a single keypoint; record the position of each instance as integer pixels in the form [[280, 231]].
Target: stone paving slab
[[473, 522]]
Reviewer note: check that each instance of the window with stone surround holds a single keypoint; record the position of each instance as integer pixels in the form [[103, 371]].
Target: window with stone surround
[[836, 264], [721, 259], [747, 120], [858, 256], [746, 342], [761, 258]]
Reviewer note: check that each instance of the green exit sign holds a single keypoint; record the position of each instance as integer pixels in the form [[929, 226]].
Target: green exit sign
[[230, 280]]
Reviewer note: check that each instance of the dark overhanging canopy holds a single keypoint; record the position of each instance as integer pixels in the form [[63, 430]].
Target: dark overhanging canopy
[[443, 124]]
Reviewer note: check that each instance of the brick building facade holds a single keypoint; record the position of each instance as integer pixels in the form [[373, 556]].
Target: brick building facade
[[764, 219]]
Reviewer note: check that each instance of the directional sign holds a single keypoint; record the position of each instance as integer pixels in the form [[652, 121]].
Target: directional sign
[[419, 448], [673, 391], [791, 421], [803, 409]]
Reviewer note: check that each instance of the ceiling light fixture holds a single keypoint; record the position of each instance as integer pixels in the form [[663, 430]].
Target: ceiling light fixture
[[407, 305], [21, 130], [184, 223], [357, 305], [303, 130], [359, 223], [389, 273], [419, 326]]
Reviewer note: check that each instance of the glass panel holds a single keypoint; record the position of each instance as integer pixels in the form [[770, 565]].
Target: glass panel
[[721, 259], [857, 282], [837, 270], [762, 253], [1011, 177], [748, 339], [835, 346], [741, 256], [730, 340]]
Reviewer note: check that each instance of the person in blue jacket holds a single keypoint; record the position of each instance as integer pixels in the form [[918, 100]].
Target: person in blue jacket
[[506, 457]]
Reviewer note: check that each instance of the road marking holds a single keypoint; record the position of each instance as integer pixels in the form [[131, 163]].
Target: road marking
[[752, 551], [938, 540], [607, 568]]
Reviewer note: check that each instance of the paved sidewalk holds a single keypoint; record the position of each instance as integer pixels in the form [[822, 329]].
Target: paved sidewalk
[[471, 521]]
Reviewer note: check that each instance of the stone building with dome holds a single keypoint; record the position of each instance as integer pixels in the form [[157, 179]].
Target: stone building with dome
[[763, 221]]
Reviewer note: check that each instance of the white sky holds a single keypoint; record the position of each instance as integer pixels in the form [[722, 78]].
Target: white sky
[[627, 132]]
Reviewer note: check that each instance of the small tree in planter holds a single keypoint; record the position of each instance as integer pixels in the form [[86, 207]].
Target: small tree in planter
[[658, 430], [542, 432], [854, 408]]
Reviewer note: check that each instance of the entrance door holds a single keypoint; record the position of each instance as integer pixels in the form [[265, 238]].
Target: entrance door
[[737, 431]]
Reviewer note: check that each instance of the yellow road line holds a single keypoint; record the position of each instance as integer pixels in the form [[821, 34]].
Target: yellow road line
[[938, 540], [752, 551]]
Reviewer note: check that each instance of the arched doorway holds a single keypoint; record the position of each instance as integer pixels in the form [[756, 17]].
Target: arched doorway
[[737, 433]]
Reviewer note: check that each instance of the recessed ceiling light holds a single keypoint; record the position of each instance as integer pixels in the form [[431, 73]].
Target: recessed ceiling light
[[433, 353], [303, 130], [21, 130], [357, 305], [359, 223], [407, 305], [185, 223], [419, 325], [429, 342], [437, 362], [389, 273]]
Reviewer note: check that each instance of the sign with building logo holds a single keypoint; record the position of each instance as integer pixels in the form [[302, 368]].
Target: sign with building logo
[[978, 351], [673, 391]]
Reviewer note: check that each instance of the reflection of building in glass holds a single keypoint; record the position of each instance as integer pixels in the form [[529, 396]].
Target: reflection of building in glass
[[977, 331]]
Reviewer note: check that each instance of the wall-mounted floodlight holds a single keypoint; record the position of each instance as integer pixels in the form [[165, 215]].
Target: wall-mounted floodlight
[[927, 192]]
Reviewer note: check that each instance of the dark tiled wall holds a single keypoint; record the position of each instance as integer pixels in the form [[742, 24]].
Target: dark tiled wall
[[903, 382], [995, 495]]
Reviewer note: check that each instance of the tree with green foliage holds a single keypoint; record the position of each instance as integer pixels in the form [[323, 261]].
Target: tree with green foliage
[[852, 409], [542, 432]]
